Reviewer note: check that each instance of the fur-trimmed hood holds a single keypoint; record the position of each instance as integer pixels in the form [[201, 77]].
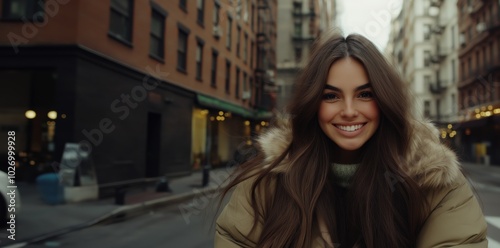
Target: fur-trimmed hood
[[430, 163]]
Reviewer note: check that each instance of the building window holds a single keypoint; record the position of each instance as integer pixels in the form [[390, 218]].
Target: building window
[[427, 109], [453, 104], [469, 62], [251, 53], [237, 87], [213, 76], [252, 20], [245, 48], [453, 71], [297, 8], [23, 10], [121, 19], [238, 35], [453, 37], [245, 86], [216, 18], [182, 47], [427, 58], [200, 7], [199, 58], [183, 4], [298, 28], [228, 77], [228, 32], [427, 32], [157, 35], [298, 54]]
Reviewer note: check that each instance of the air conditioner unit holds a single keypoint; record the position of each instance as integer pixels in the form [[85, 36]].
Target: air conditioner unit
[[470, 9], [246, 94], [461, 38], [216, 31]]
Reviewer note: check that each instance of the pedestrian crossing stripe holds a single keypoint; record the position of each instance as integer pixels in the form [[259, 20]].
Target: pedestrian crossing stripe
[[494, 221]]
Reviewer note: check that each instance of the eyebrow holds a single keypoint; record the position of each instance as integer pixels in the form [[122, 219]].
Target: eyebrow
[[361, 87]]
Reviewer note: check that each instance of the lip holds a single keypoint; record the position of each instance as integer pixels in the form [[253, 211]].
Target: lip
[[350, 134]]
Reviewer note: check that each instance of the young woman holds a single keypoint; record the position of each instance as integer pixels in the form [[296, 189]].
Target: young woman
[[351, 166]]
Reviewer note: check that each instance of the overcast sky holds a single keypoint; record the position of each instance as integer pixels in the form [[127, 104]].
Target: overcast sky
[[371, 18]]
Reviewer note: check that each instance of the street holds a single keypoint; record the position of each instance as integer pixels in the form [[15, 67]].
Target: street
[[183, 225], [166, 227]]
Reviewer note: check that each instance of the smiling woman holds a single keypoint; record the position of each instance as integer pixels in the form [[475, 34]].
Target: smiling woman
[[351, 167]]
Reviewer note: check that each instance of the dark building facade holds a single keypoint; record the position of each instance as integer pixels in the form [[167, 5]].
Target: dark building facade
[[479, 86]]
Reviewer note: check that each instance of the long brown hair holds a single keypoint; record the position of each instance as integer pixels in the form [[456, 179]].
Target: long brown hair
[[375, 211]]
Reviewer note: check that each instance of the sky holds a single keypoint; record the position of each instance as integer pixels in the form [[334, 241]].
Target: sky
[[371, 18]]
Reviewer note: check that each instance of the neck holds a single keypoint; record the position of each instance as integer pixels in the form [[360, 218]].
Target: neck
[[347, 157]]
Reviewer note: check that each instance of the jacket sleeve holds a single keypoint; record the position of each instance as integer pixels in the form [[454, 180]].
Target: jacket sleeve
[[236, 219], [456, 219]]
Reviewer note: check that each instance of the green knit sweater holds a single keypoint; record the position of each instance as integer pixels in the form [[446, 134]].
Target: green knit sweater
[[343, 173]]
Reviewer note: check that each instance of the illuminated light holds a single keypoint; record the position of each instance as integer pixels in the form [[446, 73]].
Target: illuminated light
[[496, 111], [30, 114], [221, 112], [249, 142], [247, 123], [454, 133], [32, 162], [222, 118], [449, 126], [262, 123], [477, 111], [212, 118], [490, 107], [204, 111], [487, 113], [478, 116], [443, 136], [63, 116], [483, 108], [483, 114], [52, 115]]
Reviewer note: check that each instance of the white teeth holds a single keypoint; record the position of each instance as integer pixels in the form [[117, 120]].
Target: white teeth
[[350, 128]]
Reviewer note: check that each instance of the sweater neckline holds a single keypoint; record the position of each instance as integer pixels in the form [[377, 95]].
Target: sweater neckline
[[343, 173]]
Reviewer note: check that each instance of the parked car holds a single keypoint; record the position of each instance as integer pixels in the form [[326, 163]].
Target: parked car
[[5, 199]]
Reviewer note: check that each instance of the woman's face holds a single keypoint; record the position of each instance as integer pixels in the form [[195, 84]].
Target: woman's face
[[348, 113]]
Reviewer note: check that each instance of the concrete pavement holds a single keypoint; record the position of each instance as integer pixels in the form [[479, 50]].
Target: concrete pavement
[[38, 221]]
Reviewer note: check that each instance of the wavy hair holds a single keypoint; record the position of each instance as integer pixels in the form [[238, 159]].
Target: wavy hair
[[374, 212]]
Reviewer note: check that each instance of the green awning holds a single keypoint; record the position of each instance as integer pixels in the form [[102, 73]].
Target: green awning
[[211, 102]]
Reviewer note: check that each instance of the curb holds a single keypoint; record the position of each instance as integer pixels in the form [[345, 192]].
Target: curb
[[119, 212]]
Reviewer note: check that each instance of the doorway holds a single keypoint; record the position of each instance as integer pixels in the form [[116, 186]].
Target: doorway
[[153, 145]]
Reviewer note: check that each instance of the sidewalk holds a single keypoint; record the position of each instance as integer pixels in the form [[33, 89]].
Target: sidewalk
[[38, 221]]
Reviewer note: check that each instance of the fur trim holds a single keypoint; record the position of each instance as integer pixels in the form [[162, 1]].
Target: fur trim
[[430, 163]]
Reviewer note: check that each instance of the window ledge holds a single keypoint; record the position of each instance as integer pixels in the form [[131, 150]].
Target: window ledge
[[121, 40], [157, 58], [201, 24], [199, 79], [179, 69]]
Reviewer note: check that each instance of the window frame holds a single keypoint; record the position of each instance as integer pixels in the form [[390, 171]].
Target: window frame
[[199, 62], [213, 68], [31, 16], [130, 21], [160, 12], [182, 55]]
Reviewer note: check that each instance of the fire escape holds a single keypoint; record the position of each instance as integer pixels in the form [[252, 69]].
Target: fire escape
[[265, 87]]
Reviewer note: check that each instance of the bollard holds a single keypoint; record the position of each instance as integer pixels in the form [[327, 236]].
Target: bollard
[[205, 175], [120, 196]]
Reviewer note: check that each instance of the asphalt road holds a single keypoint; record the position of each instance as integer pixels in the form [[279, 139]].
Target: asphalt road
[[188, 224]]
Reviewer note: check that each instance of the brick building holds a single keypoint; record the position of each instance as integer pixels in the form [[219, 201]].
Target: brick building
[[479, 77], [148, 87]]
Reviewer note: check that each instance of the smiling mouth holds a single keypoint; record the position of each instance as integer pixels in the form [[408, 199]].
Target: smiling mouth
[[350, 128]]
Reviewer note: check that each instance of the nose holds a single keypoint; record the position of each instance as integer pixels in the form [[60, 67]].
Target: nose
[[349, 110]]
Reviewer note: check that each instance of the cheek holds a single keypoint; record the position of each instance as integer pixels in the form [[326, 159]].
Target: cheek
[[372, 111], [324, 113]]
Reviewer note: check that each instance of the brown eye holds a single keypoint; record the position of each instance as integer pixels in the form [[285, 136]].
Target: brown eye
[[329, 97], [366, 94]]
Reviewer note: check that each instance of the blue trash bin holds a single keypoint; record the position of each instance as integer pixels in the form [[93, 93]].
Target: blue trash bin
[[50, 189]]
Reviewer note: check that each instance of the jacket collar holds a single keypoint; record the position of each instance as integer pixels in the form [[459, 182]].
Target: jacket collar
[[430, 163]]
